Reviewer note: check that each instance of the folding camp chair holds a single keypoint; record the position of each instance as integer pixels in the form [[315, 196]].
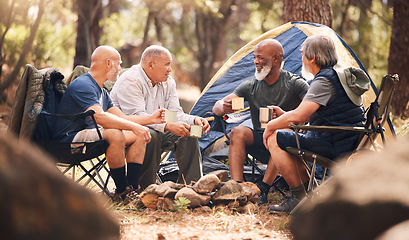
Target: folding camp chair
[[46, 88], [377, 114]]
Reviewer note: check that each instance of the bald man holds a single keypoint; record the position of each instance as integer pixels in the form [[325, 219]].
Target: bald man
[[86, 92], [271, 86]]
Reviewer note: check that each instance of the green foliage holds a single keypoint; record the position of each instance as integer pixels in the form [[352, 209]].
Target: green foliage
[[369, 39], [182, 204]]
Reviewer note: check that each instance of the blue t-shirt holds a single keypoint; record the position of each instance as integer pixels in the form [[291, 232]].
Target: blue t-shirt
[[82, 93]]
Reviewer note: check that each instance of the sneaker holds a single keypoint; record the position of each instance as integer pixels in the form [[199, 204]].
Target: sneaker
[[264, 190], [263, 198], [287, 206]]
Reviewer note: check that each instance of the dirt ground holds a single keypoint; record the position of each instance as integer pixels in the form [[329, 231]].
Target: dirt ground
[[217, 224]]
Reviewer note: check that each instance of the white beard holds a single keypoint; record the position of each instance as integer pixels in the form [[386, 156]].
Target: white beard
[[112, 75], [306, 74], [263, 72]]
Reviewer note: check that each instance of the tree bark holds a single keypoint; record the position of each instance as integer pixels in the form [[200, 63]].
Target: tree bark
[[26, 49], [88, 30], [398, 61], [315, 11], [210, 32]]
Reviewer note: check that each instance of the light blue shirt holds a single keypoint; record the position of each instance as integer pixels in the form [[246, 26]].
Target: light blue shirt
[[134, 94]]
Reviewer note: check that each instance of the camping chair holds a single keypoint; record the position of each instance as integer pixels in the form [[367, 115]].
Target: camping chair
[[377, 114], [47, 87]]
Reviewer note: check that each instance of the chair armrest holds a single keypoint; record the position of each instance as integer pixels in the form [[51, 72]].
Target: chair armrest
[[88, 113], [333, 129]]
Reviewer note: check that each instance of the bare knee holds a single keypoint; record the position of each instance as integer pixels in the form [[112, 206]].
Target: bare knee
[[114, 137], [272, 141], [241, 134]]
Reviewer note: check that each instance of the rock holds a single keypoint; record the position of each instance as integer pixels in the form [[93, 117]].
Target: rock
[[203, 209], [361, 201], [170, 193], [206, 184], [230, 191], [161, 190], [38, 202], [397, 232], [251, 191], [165, 204], [249, 208], [173, 185], [150, 189], [233, 205], [195, 198], [150, 200], [221, 174]]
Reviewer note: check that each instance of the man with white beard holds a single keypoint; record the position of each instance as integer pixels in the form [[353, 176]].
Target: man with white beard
[[272, 86]]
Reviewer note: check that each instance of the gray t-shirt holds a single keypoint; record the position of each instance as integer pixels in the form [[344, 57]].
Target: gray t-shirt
[[287, 93], [321, 91]]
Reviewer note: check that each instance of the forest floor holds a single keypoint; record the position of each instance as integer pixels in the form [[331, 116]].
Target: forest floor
[[219, 223]]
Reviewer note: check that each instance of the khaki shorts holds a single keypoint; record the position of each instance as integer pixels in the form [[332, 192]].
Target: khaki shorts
[[87, 135]]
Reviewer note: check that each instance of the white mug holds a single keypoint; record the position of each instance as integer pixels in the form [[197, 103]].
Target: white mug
[[196, 131], [237, 103], [266, 114], [170, 116]]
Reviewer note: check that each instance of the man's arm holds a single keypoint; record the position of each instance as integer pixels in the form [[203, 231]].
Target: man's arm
[[224, 105], [298, 115], [155, 118], [111, 121]]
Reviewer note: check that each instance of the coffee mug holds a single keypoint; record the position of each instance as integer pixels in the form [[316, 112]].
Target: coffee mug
[[170, 116], [196, 131], [266, 115], [237, 103]]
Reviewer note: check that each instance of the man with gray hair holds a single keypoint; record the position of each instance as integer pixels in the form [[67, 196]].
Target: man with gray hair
[[147, 87]]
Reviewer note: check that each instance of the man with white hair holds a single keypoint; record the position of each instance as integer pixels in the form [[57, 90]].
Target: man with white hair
[[147, 87], [271, 86]]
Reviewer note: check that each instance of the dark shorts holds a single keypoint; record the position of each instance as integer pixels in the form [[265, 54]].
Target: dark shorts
[[258, 149], [308, 141]]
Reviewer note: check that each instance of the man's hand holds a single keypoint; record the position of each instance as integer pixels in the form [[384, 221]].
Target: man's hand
[[204, 123], [267, 133], [158, 116], [178, 128], [140, 130], [227, 106], [277, 111]]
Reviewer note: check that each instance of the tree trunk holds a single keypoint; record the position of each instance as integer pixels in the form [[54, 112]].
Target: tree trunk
[[26, 49], [365, 33], [210, 33], [398, 61], [315, 11], [88, 30]]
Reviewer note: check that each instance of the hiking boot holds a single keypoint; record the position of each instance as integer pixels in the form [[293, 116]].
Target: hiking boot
[[287, 206], [120, 197]]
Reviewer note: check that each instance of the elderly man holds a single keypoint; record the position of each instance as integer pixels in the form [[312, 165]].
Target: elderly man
[[329, 101], [271, 86], [121, 131], [143, 89]]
